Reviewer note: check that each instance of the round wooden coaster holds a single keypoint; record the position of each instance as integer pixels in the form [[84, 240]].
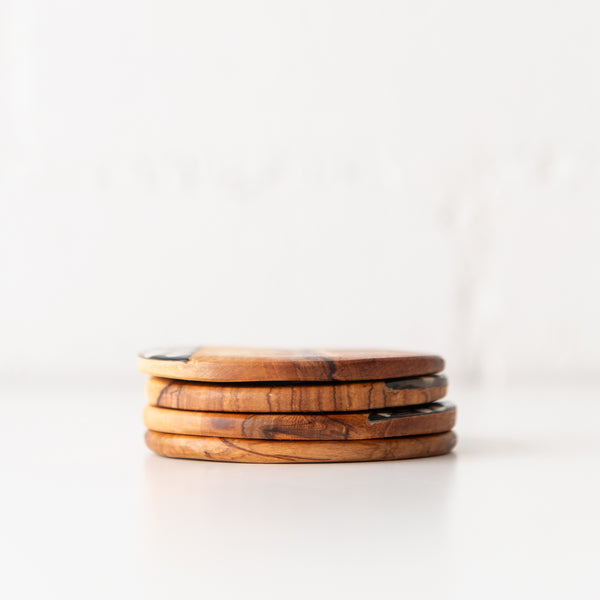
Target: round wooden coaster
[[267, 451], [396, 422], [281, 398], [250, 364]]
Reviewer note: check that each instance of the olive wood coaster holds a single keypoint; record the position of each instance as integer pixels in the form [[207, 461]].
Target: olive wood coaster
[[282, 398], [267, 451], [396, 422], [250, 364]]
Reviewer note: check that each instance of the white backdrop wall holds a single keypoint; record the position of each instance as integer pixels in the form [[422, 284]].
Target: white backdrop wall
[[403, 174]]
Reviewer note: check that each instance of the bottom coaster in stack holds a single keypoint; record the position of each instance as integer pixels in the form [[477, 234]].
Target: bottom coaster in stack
[[280, 451]]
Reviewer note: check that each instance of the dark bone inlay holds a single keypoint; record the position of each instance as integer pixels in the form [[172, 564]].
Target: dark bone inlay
[[418, 383], [182, 353], [409, 411]]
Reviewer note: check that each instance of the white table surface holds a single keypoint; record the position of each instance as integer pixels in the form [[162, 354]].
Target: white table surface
[[88, 512]]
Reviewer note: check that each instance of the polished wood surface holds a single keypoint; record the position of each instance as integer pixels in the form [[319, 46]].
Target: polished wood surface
[[267, 451], [281, 398], [218, 364], [404, 421]]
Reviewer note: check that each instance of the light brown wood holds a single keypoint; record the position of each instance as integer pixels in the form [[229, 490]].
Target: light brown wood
[[267, 451], [251, 364], [405, 421], [295, 398]]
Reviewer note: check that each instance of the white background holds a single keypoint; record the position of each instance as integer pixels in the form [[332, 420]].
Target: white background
[[419, 175], [413, 175]]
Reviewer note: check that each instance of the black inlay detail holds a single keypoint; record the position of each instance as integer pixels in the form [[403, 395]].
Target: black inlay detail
[[418, 383], [409, 411], [183, 353]]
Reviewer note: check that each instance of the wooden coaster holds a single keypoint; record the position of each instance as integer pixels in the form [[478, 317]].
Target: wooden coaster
[[267, 451], [250, 364], [281, 398], [396, 422]]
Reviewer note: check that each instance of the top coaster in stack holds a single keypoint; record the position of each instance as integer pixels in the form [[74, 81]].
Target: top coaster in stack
[[251, 405], [250, 364]]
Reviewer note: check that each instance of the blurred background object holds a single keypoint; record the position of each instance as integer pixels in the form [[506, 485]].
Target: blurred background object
[[405, 175]]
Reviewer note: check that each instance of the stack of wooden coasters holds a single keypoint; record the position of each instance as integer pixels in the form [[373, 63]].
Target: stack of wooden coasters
[[278, 406]]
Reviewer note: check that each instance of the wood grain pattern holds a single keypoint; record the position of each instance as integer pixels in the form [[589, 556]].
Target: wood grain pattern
[[398, 422], [281, 398], [267, 451], [251, 364]]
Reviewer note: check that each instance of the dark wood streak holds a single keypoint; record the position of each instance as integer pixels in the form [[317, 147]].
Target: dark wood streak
[[283, 457], [331, 366], [164, 391]]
